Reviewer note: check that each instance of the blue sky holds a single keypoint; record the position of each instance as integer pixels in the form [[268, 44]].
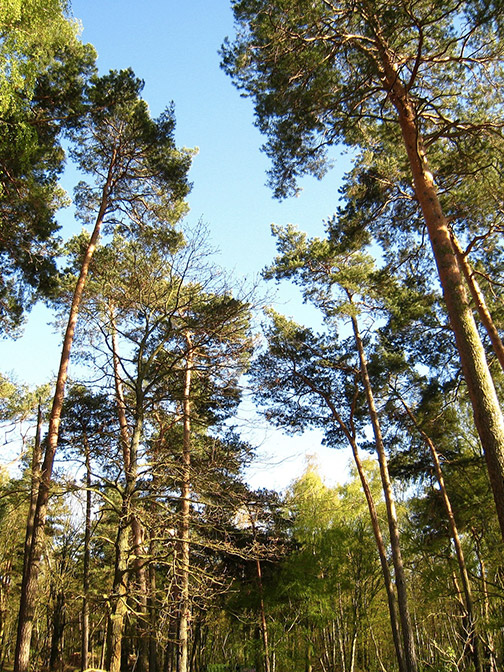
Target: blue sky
[[173, 46]]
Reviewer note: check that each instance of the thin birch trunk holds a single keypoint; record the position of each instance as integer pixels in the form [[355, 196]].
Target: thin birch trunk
[[353, 651]]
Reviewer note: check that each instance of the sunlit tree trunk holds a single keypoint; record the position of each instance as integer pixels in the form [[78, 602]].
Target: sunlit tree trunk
[[486, 409], [479, 301], [490, 641], [34, 486], [380, 544], [120, 588], [151, 605], [262, 615], [382, 552], [29, 586], [185, 514], [130, 458]]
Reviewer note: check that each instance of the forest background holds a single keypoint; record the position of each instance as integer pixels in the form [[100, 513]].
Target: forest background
[[160, 552]]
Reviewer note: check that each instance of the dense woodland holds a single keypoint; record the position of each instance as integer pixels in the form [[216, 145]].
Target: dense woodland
[[130, 538]]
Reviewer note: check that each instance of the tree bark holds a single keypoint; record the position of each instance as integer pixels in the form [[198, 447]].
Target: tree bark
[[129, 459], [382, 552], [479, 301], [29, 586], [120, 588], [380, 544], [185, 515], [264, 625], [400, 579], [58, 629], [151, 604], [26, 607], [85, 581], [489, 644], [459, 552], [486, 409]]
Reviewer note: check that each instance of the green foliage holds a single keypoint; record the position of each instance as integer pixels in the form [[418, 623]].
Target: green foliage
[[315, 71], [120, 145], [43, 71]]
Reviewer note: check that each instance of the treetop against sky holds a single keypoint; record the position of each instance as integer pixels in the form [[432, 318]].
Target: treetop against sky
[[174, 48]]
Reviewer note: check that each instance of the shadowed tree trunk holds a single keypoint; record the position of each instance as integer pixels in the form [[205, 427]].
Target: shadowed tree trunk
[[466, 584], [85, 581], [400, 579]]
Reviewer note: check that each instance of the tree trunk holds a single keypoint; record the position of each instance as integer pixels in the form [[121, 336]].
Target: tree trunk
[[466, 584], [29, 587], [120, 589], [486, 409], [151, 604], [57, 632], [382, 551], [479, 301], [185, 516], [27, 601], [118, 599], [264, 625], [85, 581], [130, 449], [489, 644], [353, 650], [400, 580]]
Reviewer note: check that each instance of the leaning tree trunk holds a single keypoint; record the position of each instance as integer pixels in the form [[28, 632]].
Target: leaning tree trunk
[[29, 587], [487, 413], [400, 579], [382, 552], [380, 544], [479, 301]]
